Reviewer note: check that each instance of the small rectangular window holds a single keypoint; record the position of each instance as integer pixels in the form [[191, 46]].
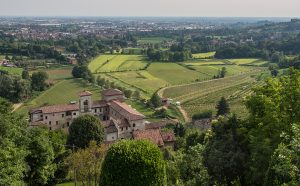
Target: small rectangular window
[[121, 128], [68, 124], [49, 122], [74, 113], [133, 125], [46, 117], [50, 128], [63, 115], [56, 122]]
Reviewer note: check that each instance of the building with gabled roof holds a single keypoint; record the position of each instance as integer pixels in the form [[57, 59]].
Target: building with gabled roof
[[118, 118]]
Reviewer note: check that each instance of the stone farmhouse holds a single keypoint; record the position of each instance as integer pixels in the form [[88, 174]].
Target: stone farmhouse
[[120, 120]]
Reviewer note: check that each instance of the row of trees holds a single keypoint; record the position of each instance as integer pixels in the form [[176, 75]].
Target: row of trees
[[169, 55], [16, 89]]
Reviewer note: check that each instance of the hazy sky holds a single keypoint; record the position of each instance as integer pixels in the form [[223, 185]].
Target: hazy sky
[[240, 8]]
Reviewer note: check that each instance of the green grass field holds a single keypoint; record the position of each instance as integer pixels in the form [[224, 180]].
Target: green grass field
[[111, 63], [249, 61], [57, 73], [140, 79], [12, 70], [61, 93], [173, 73], [204, 55], [152, 40]]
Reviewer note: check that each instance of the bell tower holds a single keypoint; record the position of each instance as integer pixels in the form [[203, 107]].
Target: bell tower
[[85, 102]]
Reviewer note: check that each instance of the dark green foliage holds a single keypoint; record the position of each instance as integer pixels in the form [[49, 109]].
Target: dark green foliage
[[193, 172], [175, 54], [274, 108], [222, 72], [25, 75], [133, 163], [203, 115], [179, 130], [226, 154], [155, 100], [82, 71], [194, 137], [127, 93], [41, 157], [222, 107], [38, 81], [14, 88], [162, 113], [13, 141], [85, 129]]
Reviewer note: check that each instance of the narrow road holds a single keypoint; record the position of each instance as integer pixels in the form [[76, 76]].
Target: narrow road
[[184, 114]]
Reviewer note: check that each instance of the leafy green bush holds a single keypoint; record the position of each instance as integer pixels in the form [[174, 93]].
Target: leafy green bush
[[133, 163], [203, 115]]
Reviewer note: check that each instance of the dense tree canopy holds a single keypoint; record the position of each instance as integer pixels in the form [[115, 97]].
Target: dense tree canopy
[[38, 80], [84, 129]]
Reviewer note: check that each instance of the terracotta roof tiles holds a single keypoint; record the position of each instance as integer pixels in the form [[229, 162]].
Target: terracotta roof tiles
[[56, 108], [152, 135], [126, 111]]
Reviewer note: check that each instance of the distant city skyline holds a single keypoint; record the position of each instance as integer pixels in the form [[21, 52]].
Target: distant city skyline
[[157, 8]]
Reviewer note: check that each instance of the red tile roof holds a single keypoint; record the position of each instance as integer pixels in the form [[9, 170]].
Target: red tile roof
[[152, 135], [85, 93], [126, 111], [99, 103], [56, 108], [112, 92]]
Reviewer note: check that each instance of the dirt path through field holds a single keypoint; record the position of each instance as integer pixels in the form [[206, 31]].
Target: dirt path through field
[[16, 106], [184, 114]]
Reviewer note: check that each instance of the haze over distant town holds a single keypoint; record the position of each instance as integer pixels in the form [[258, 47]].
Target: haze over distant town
[[215, 8]]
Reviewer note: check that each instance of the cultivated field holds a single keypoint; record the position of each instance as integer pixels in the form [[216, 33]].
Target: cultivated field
[[173, 73], [112, 63], [249, 62], [204, 55], [57, 73], [12, 70], [142, 80], [197, 97]]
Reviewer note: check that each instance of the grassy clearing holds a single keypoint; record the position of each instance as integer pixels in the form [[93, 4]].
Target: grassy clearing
[[111, 63], [204, 55], [12, 70], [62, 92], [57, 73], [249, 61], [152, 40], [99, 61], [140, 79], [205, 62], [173, 73]]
